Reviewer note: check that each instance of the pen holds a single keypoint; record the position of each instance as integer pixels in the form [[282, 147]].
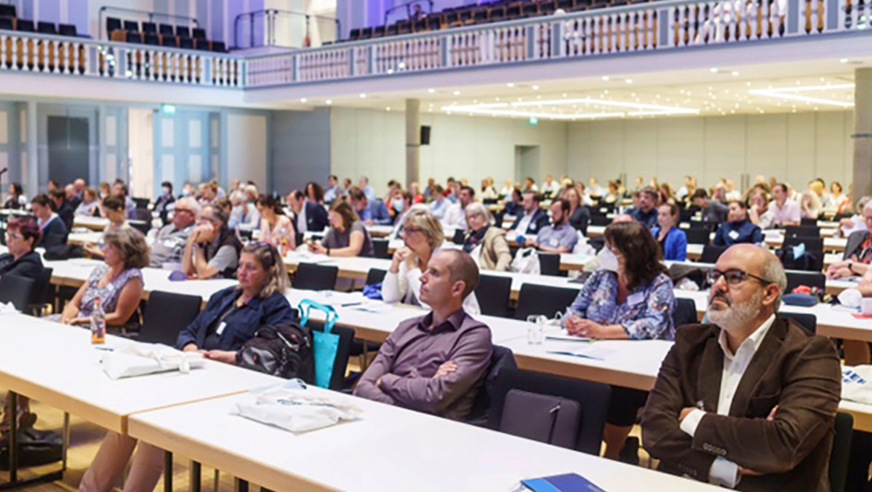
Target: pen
[[351, 304]]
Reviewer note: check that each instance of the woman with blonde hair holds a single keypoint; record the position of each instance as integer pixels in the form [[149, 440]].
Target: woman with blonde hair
[[422, 238]]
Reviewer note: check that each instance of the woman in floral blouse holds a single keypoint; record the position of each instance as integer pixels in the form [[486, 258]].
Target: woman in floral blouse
[[629, 298]]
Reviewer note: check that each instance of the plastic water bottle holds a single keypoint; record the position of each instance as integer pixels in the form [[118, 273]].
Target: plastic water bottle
[[98, 323], [284, 246]]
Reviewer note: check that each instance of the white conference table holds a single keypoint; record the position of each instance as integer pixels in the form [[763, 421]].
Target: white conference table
[[389, 449], [56, 364]]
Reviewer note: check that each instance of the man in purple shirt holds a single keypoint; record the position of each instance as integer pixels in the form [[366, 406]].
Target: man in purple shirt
[[786, 212], [435, 363]]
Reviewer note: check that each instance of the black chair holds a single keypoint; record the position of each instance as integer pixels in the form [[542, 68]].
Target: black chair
[[354, 34], [131, 26], [514, 11], [808, 222], [366, 33], [805, 320], [549, 264], [502, 358], [134, 37], [812, 244], [493, 294], [142, 227], [710, 254], [198, 33], [186, 43], [202, 44], [6, 24], [839, 456], [24, 26], [802, 231], [600, 220], [811, 279], [169, 40], [16, 290], [183, 31], [376, 275], [378, 32], [43, 292], [434, 23], [149, 27], [346, 336], [531, 9], [480, 16], [543, 299], [592, 397], [112, 24], [685, 312], [380, 248], [219, 47], [166, 30], [7, 11], [698, 235], [67, 30], [152, 39], [311, 276], [165, 315], [46, 28], [459, 236]]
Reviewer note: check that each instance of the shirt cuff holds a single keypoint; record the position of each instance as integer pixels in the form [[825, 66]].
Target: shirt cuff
[[387, 381], [690, 423], [724, 473]]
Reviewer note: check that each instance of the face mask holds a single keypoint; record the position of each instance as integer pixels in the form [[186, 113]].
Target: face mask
[[166, 190], [186, 192], [607, 260], [399, 205]]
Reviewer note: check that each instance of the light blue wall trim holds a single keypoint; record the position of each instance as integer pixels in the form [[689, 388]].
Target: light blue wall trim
[[181, 149]]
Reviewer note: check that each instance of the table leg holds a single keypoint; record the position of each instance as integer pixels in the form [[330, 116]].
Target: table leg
[[13, 437], [168, 471], [66, 440], [196, 471], [240, 485]]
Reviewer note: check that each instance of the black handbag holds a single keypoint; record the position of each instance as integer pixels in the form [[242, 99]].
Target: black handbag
[[283, 350], [35, 448]]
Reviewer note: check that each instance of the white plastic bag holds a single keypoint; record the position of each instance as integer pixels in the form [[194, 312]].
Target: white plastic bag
[[292, 407], [526, 261], [582, 247], [140, 359], [856, 384]]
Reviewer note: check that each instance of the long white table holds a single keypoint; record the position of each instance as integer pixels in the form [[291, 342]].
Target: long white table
[[389, 449]]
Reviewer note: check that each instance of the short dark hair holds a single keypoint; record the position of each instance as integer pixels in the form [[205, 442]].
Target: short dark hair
[[114, 203], [700, 193], [642, 255], [537, 197], [437, 188], [17, 189], [168, 185], [28, 228], [740, 203], [269, 201], [564, 204], [58, 195], [783, 187], [357, 194], [462, 267], [673, 209], [42, 200], [469, 189], [650, 191]]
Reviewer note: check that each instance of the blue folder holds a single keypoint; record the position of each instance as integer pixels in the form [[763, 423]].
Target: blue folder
[[570, 482]]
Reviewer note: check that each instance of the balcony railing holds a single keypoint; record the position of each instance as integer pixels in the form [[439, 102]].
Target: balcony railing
[[654, 26], [40, 53]]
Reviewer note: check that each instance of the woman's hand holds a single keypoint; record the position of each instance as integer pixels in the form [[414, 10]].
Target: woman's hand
[[192, 347], [317, 248], [590, 329], [224, 356], [78, 321], [400, 255]]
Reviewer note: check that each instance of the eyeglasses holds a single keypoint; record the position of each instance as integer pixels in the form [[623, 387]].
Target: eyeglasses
[[10, 235], [412, 229], [733, 277]]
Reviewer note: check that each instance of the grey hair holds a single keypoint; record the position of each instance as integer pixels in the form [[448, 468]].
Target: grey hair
[[868, 205], [480, 209], [773, 271], [191, 204]]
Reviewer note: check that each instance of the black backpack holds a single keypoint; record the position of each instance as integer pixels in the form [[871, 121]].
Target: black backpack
[[283, 350]]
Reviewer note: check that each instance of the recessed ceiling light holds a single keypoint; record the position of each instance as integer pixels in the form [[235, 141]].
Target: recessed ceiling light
[[431, 91], [734, 73], [362, 95], [629, 81], [713, 70], [606, 78], [535, 87], [329, 102], [304, 100], [510, 84], [456, 93]]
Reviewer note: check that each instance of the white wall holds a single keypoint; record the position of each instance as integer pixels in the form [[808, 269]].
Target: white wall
[[791, 147], [372, 143], [246, 148]]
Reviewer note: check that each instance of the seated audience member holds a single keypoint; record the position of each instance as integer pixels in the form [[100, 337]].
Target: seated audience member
[[758, 212], [120, 190], [672, 240], [243, 213], [207, 193], [230, 319], [858, 251], [71, 197], [712, 211], [811, 202], [422, 238], [595, 189], [169, 243], [533, 219], [52, 186], [346, 237], [486, 243], [738, 229], [334, 190], [579, 215], [54, 232], [62, 208], [415, 192], [275, 227], [371, 212], [435, 363], [514, 203], [560, 237], [310, 216], [785, 212], [166, 198], [22, 235], [401, 204], [629, 297], [856, 222], [747, 401], [646, 211], [550, 188], [613, 195], [315, 193], [113, 209], [89, 205], [488, 192], [117, 282], [368, 191], [837, 200], [439, 205], [16, 200], [455, 216], [105, 191], [213, 249], [506, 192]]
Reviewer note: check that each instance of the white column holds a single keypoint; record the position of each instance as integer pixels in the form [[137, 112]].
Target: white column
[[413, 141]]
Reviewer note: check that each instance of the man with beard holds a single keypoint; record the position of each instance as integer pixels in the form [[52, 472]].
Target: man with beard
[[749, 400]]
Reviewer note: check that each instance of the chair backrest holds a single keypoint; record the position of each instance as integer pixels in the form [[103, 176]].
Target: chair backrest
[[376, 275], [805, 320], [166, 314], [811, 279], [501, 358], [16, 290], [142, 227], [219, 47], [346, 337], [6, 24], [698, 235], [380, 248], [43, 290], [152, 39], [808, 221], [839, 456], [168, 40], [149, 27], [543, 299], [311, 276], [68, 30], [131, 26], [199, 33], [24, 25], [166, 30], [183, 31], [599, 220], [685, 312], [133, 37], [354, 34], [549, 264], [812, 244], [493, 295], [186, 43], [46, 27], [112, 24], [592, 397], [710, 254], [458, 236], [7, 10], [802, 231]]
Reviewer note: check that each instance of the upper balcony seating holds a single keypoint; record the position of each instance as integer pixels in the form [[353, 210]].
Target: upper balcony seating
[[166, 35]]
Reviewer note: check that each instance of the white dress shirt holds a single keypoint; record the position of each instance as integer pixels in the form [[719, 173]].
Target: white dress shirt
[[455, 217], [525, 222], [724, 472]]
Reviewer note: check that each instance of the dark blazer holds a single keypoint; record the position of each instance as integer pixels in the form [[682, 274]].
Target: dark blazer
[[580, 219], [855, 244], [28, 266], [792, 369], [242, 324], [54, 233], [65, 212], [316, 217], [540, 220]]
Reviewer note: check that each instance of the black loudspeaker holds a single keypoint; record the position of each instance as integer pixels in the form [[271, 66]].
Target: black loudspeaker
[[425, 135]]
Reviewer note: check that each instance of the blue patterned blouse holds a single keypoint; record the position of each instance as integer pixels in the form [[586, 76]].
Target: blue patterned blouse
[[645, 314]]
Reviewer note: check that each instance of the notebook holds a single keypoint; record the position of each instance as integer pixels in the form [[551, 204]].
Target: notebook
[[570, 482]]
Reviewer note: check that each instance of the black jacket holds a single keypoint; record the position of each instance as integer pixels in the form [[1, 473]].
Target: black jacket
[[28, 266]]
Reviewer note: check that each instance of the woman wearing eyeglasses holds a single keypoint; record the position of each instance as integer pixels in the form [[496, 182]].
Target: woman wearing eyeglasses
[[21, 236], [422, 238], [629, 298], [485, 242], [230, 319]]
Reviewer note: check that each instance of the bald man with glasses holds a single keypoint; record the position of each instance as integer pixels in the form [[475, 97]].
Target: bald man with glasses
[[747, 401]]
